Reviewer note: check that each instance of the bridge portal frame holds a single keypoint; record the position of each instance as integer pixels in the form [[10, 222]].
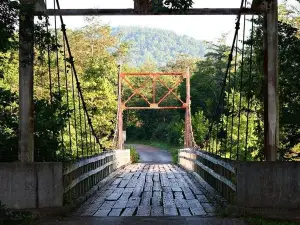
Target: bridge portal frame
[[154, 77], [26, 53]]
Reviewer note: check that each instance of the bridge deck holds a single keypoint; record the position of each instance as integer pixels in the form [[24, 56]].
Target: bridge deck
[[149, 190]]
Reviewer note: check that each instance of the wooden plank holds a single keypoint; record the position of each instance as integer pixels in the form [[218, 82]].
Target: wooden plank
[[133, 202], [211, 159], [132, 183], [128, 212], [138, 191], [115, 195], [217, 176], [202, 199], [198, 211], [178, 195], [181, 203], [115, 212], [102, 212], [157, 186], [146, 199], [86, 175], [170, 211], [188, 193], [156, 199], [120, 204], [84, 162], [131, 12], [184, 212], [125, 196], [192, 185], [108, 205], [157, 211], [143, 211], [123, 183]]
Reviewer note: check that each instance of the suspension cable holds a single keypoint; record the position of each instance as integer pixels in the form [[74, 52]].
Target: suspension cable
[[250, 88], [74, 110], [49, 59], [66, 71], [241, 88], [71, 59], [233, 99], [228, 112], [57, 55], [80, 125], [230, 57]]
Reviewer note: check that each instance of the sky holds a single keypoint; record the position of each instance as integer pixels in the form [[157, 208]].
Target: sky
[[208, 28]]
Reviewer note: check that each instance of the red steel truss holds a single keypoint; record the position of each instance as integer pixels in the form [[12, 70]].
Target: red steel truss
[[155, 78], [152, 78]]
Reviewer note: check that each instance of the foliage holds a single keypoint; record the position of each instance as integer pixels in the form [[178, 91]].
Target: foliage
[[182, 5], [97, 53], [171, 5], [289, 85], [200, 127], [8, 20], [16, 218], [134, 155], [49, 120], [208, 77], [160, 46], [8, 126]]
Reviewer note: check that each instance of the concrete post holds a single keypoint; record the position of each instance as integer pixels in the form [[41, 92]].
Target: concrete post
[[120, 111], [271, 99], [26, 54]]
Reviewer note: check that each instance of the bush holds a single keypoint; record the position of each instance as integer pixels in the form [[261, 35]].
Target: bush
[[134, 155], [16, 218]]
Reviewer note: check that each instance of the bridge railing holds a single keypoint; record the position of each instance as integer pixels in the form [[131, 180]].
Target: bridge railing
[[217, 172], [259, 188], [80, 179]]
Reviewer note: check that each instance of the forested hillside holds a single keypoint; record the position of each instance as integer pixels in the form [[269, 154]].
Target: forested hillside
[[160, 46]]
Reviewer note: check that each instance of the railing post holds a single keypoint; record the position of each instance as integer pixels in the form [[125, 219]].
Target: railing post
[[120, 111], [26, 54], [271, 99]]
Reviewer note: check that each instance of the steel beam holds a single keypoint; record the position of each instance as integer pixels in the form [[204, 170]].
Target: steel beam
[[154, 107], [152, 74], [131, 12]]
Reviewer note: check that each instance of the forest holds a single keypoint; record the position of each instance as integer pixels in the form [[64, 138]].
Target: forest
[[156, 45], [98, 50]]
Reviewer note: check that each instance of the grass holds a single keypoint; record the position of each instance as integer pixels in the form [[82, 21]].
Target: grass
[[172, 149], [260, 221], [134, 155]]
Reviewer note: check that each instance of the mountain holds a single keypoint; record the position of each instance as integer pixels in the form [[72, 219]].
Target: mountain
[[158, 45]]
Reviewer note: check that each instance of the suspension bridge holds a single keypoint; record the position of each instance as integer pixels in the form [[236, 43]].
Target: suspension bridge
[[105, 183]]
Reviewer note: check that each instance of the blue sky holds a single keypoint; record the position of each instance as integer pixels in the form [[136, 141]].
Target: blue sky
[[207, 28]]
